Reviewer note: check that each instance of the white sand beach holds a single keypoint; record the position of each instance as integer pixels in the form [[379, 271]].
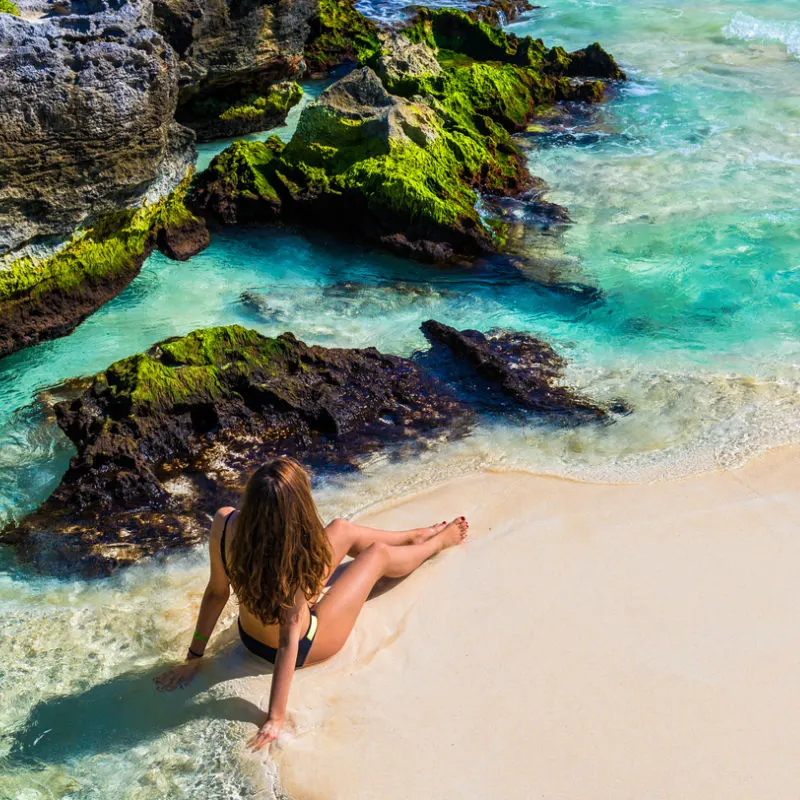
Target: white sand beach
[[589, 641]]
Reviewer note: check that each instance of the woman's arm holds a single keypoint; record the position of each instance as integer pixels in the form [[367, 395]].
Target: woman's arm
[[215, 597], [288, 643]]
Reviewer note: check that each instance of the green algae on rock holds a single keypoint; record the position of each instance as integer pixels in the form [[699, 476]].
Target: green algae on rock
[[453, 31], [213, 118], [404, 179], [339, 33], [165, 437], [415, 153], [45, 300]]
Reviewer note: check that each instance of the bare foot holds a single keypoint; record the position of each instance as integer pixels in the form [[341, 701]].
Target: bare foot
[[454, 533], [421, 535]]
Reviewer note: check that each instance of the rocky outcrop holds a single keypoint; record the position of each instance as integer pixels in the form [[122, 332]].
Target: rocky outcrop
[[231, 54], [457, 31], [87, 104], [46, 299], [414, 152], [165, 437], [90, 90], [89, 93], [494, 12], [387, 160], [403, 60], [526, 370]]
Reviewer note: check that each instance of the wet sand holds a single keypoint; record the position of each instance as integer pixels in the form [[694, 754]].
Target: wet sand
[[589, 641]]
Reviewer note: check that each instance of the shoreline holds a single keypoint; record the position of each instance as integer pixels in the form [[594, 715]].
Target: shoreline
[[590, 641]]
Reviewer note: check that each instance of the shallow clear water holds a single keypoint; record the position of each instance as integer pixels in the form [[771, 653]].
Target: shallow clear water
[[685, 195]]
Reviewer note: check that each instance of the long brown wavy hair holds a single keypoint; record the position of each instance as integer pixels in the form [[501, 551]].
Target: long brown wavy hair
[[280, 544]]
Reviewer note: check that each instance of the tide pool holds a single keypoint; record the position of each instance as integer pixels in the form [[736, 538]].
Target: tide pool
[[684, 190]]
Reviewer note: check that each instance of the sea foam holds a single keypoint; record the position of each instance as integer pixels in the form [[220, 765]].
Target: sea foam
[[752, 29]]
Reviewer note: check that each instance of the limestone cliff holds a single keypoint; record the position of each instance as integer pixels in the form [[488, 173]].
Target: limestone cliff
[[87, 106]]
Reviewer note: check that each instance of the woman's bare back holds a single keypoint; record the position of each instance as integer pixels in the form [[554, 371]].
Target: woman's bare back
[[251, 624]]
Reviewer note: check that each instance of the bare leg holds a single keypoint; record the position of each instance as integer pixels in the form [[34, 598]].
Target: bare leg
[[348, 538], [339, 609]]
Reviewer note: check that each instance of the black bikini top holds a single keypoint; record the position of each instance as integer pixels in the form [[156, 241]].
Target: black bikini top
[[222, 543]]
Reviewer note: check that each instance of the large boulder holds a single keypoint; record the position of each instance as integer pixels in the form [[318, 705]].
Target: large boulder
[[389, 161], [48, 298], [87, 105], [165, 437]]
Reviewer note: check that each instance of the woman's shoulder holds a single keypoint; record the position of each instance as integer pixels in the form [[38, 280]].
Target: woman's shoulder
[[218, 522]]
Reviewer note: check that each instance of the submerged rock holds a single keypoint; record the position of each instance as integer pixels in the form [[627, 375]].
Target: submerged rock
[[414, 152], [165, 437], [526, 370], [44, 300]]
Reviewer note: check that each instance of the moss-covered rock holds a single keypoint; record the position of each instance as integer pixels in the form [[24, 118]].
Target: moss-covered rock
[[237, 187], [226, 118], [450, 30], [404, 178], [165, 437], [9, 7], [45, 300], [413, 154], [339, 33]]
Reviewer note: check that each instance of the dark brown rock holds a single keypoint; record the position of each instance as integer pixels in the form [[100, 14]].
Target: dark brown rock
[[164, 438], [231, 52], [500, 12], [594, 62], [181, 242], [526, 370]]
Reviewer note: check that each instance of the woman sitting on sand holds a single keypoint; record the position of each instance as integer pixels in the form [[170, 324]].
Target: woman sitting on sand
[[277, 556]]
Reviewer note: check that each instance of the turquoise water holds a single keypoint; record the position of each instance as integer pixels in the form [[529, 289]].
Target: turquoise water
[[685, 194]]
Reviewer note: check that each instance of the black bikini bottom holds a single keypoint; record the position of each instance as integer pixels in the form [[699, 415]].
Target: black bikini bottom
[[270, 653]]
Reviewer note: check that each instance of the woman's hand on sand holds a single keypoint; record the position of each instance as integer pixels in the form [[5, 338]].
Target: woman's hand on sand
[[177, 677], [267, 734]]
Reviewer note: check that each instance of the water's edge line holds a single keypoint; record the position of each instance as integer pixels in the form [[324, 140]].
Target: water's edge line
[[390, 503]]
